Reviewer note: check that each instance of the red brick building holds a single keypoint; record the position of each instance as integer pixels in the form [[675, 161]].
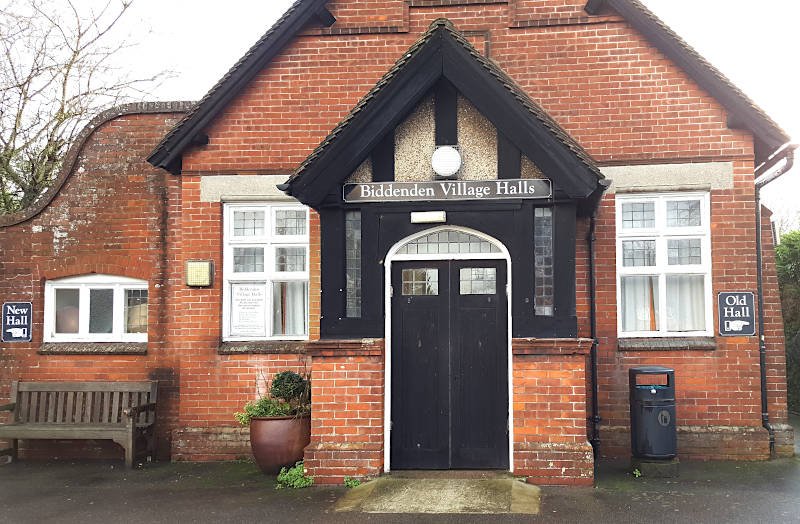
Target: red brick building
[[467, 220]]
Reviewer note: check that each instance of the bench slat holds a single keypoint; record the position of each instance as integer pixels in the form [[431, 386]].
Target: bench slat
[[51, 406], [104, 415], [41, 413], [60, 406], [69, 414], [115, 399], [24, 406], [85, 386]]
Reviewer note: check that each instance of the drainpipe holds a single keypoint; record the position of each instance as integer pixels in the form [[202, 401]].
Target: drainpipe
[[764, 178], [595, 417]]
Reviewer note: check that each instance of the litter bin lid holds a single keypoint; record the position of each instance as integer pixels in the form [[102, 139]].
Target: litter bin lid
[[650, 370]]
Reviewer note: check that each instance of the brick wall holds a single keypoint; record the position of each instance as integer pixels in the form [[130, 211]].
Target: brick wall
[[85, 224], [601, 80], [715, 390], [347, 415], [549, 380]]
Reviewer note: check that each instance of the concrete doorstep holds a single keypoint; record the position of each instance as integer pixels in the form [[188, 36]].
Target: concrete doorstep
[[390, 494]]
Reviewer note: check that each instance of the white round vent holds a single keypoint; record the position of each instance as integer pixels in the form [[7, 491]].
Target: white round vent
[[446, 161]]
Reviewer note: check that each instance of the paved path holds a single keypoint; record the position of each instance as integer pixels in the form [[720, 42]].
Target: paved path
[[175, 493], [237, 492]]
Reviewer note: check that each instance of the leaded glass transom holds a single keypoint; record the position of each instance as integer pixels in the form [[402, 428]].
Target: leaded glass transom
[[290, 222], [289, 259], [636, 253], [684, 251], [248, 260], [448, 243], [638, 215], [248, 223], [683, 213]]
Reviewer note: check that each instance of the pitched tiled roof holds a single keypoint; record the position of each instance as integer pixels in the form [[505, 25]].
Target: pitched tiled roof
[[769, 136], [445, 25]]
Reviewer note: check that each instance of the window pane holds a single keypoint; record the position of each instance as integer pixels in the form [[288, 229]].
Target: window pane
[[448, 242], [420, 281], [135, 311], [101, 310], [685, 251], [352, 240], [543, 263], [290, 259], [290, 222], [248, 259], [638, 215], [639, 297], [683, 213], [686, 303], [636, 253], [248, 223], [478, 281], [67, 310], [290, 308]]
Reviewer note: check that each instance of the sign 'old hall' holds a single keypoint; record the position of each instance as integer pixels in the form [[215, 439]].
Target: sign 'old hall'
[[443, 212]]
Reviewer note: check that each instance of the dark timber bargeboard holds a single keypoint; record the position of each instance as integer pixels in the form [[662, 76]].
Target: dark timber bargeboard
[[449, 373], [120, 411]]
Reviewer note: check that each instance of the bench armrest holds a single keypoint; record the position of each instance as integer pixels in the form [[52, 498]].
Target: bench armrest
[[8, 407], [135, 410]]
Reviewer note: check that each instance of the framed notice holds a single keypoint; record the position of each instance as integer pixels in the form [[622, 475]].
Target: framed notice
[[249, 310]]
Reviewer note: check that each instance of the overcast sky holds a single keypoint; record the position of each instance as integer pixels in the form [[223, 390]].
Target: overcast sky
[[756, 44]]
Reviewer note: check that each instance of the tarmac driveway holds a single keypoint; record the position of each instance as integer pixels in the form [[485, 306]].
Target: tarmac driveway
[[92, 492], [237, 492]]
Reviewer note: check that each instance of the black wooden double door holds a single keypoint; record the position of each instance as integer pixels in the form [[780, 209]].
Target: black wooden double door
[[449, 365]]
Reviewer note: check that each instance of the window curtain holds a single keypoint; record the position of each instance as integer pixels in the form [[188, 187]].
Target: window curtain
[[639, 303], [289, 308], [685, 303]]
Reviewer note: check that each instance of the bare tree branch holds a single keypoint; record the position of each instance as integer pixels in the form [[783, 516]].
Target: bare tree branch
[[56, 73]]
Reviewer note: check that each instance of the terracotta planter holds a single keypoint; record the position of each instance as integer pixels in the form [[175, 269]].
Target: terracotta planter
[[279, 441]]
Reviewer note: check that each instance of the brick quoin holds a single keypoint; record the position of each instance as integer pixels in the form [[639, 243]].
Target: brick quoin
[[609, 87]]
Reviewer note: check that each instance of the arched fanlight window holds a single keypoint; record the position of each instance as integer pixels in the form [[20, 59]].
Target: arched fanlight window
[[448, 242]]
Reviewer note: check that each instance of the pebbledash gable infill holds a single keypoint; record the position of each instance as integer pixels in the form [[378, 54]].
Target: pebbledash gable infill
[[346, 192]]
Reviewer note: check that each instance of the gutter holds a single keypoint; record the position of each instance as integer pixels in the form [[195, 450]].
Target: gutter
[[764, 177]]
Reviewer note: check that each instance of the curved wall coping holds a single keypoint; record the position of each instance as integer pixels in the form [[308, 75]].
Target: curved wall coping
[[73, 153]]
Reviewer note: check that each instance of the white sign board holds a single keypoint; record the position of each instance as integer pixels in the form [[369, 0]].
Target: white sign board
[[249, 310]]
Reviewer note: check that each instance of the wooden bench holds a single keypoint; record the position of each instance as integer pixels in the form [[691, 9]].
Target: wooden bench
[[124, 412]]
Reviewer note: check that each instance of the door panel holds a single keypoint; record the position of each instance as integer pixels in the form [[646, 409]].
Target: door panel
[[449, 365], [419, 368], [479, 373]]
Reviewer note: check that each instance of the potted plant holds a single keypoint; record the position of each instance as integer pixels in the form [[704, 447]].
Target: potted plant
[[280, 422]]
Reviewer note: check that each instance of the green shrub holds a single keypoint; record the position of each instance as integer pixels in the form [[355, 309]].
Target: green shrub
[[350, 482], [294, 477], [289, 386], [263, 407], [290, 395]]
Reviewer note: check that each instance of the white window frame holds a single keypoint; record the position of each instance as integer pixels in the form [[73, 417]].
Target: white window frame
[[269, 242], [84, 284], [662, 234]]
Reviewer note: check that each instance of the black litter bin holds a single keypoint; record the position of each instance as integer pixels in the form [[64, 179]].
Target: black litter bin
[[652, 396]]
